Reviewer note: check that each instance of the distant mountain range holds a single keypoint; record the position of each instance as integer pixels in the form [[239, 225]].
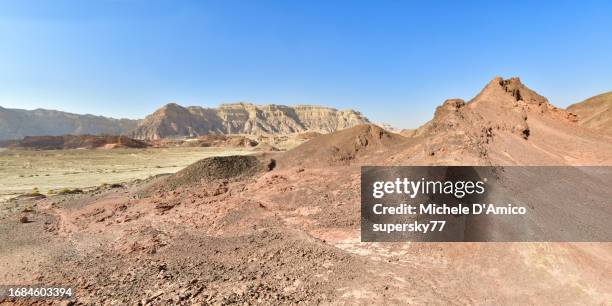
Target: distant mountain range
[[19, 123], [175, 121]]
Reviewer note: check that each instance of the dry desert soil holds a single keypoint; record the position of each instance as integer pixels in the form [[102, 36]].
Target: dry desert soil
[[21, 171], [282, 228]]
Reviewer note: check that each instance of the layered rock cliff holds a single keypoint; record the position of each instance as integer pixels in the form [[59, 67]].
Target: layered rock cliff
[[173, 120]]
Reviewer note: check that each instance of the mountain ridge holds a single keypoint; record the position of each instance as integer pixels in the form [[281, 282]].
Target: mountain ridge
[[506, 123], [19, 123], [173, 120]]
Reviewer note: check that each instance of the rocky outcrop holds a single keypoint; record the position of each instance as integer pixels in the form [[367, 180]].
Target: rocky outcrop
[[506, 123], [19, 123], [595, 112], [173, 120]]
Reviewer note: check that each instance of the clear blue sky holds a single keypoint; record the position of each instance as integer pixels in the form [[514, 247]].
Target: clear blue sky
[[393, 60]]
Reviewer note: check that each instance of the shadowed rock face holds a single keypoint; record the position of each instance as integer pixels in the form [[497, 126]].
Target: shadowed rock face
[[19, 123], [174, 120], [595, 112]]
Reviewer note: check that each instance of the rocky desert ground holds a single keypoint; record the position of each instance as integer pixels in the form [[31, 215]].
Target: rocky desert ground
[[283, 227]]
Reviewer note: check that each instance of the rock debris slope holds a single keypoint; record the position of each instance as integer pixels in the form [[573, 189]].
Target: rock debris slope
[[356, 144], [595, 112]]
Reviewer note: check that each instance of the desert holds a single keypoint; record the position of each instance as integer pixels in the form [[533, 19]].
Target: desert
[[316, 152], [22, 171], [282, 227]]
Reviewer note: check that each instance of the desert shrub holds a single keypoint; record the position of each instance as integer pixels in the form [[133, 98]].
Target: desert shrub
[[69, 191], [34, 193], [109, 186]]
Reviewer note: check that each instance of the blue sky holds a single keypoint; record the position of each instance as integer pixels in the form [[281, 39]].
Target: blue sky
[[395, 61]]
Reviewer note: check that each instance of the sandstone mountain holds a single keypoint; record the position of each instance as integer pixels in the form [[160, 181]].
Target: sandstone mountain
[[19, 123], [505, 124], [595, 112], [173, 120]]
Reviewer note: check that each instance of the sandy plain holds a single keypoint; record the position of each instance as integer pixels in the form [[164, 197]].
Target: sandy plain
[[23, 170]]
